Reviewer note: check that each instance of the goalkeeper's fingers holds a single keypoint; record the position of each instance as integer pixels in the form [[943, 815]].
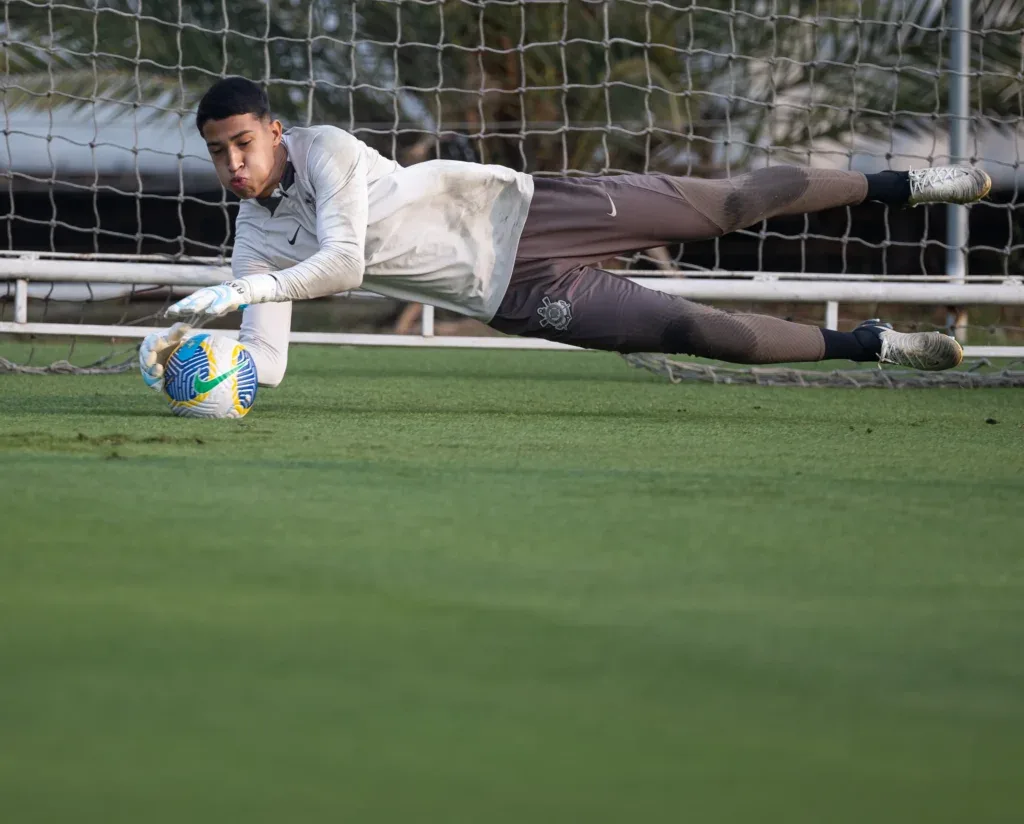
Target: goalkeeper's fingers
[[158, 345], [149, 362], [212, 300], [191, 305], [156, 348], [177, 333]]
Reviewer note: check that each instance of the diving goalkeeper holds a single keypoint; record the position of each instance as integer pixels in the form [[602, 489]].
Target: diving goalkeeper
[[323, 213]]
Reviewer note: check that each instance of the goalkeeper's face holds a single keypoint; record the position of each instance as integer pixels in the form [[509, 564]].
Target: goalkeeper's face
[[244, 149]]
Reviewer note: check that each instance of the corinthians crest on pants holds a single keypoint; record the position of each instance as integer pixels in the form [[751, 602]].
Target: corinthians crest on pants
[[555, 313]]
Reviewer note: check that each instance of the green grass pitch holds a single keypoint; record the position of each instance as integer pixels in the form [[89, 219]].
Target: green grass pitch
[[510, 587]]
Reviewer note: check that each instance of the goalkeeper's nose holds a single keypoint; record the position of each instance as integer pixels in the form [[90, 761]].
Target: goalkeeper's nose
[[234, 160]]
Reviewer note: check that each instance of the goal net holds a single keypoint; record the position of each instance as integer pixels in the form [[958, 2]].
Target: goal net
[[110, 208]]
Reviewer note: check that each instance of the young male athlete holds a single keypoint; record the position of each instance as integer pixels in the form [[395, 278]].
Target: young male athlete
[[323, 213]]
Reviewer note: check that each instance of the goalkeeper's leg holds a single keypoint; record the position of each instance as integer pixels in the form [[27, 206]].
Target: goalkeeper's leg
[[574, 222], [594, 309], [587, 220], [265, 330]]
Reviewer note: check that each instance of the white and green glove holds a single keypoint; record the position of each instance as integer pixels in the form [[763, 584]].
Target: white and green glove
[[154, 351]]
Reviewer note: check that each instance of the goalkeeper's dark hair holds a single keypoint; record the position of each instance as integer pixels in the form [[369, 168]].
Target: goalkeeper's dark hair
[[229, 97]]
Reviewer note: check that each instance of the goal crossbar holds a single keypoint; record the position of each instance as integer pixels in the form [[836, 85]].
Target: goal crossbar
[[789, 287]]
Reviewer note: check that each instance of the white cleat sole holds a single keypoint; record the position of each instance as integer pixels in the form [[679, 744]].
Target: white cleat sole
[[948, 184], [928, 351]]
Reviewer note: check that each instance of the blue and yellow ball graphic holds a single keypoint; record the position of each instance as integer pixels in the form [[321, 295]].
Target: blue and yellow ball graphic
[[210, 376]]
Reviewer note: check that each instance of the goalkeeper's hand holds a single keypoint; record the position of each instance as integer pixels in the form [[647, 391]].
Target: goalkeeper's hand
[[154, 351], [213, 301]]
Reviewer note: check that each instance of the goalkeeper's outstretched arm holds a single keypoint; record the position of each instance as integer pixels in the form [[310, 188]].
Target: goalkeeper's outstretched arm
[[337, 174]]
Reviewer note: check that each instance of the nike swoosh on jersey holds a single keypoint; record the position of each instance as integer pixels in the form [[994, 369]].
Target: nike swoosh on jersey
[[292, 241], [614, 211], [201, 387]]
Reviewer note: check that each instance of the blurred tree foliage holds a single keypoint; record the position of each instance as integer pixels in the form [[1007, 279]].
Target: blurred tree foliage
[[586, 85]]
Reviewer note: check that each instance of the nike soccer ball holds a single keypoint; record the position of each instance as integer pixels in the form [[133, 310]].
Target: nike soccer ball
[[210, 376]]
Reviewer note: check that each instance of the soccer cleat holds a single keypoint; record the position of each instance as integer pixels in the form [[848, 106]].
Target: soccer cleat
[[948, 184], [930, 351]]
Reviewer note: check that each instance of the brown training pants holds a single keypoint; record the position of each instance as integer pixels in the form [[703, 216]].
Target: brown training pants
[[556, 294]]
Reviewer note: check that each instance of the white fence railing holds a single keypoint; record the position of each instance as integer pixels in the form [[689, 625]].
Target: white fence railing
[[39, 277]]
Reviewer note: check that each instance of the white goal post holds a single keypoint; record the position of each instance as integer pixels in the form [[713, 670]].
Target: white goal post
[[766, 287]]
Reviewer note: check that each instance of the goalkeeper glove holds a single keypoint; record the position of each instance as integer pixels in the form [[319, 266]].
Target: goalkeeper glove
[[154, 351], [213, 301]]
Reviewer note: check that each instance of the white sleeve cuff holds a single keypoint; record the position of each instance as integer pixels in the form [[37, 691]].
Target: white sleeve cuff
[[261, 288]]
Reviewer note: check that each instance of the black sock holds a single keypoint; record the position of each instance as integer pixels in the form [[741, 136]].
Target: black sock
[[862, 345], [889, 187]]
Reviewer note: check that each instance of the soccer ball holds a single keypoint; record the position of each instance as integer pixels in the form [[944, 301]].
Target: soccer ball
[[210, 376]]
